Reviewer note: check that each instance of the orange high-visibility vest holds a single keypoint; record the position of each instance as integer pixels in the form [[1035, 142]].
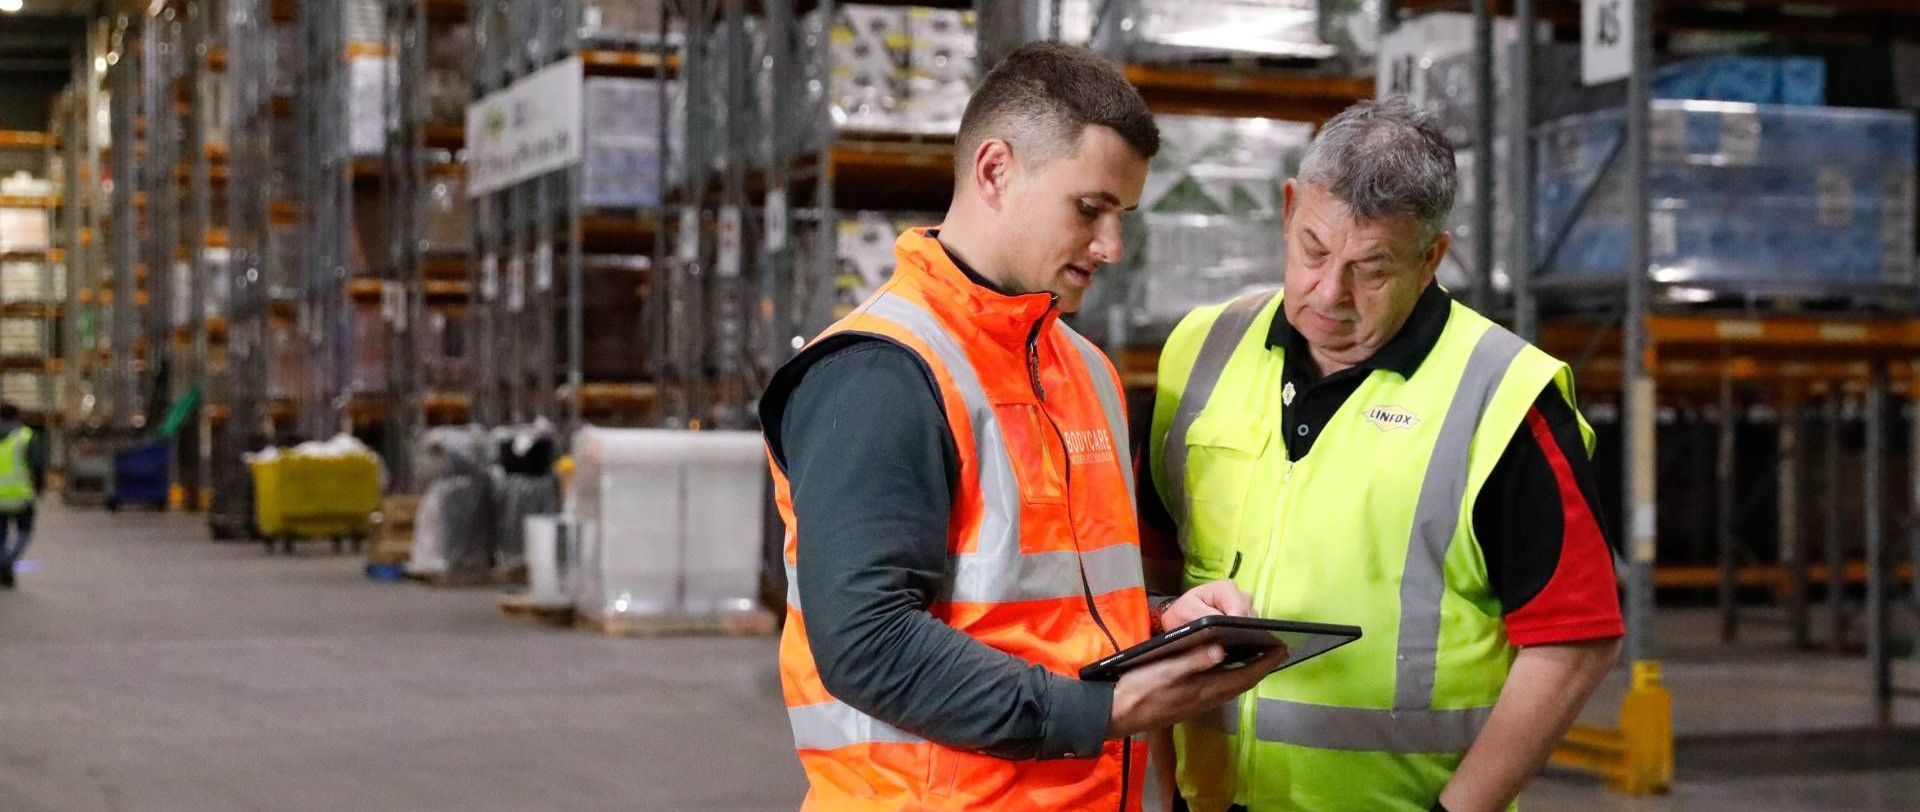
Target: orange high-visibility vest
[[1042, 529]]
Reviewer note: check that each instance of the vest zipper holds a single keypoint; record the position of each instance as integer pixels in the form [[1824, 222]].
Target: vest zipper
[[1086, 586]]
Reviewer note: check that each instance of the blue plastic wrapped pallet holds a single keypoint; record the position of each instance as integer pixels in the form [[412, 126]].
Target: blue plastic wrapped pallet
[[1798, 80], [1761, 199]]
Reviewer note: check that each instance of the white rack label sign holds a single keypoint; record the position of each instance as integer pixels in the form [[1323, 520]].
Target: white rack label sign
[[729, 239], [516, 283], [1606, 40], [543, 267], [776, 219], [529, 128]]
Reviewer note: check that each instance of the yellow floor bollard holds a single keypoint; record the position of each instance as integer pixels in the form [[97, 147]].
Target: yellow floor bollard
[[1646, 721], [176, 497], [1635, 758]]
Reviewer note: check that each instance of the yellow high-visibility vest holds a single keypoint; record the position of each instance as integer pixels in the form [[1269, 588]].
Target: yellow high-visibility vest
[[1374, 528]]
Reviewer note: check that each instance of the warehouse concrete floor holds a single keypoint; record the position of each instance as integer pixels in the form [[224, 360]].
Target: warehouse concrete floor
[[145, 668]]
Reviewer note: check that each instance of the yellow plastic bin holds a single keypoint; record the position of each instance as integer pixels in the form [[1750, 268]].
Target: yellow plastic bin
[[301, 497]]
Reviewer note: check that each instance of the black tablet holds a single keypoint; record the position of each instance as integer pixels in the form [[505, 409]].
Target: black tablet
[[1243, 638]]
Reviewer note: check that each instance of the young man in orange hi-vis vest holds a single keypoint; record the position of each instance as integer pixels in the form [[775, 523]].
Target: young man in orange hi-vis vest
[[952, 465]]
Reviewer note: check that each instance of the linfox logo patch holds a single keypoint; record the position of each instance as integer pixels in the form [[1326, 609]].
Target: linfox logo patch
[[1089, 446], [1391, 418]]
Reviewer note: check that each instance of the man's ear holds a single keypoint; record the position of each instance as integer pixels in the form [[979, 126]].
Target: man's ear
[[1289, 195], [1430, 261], [993, 167]]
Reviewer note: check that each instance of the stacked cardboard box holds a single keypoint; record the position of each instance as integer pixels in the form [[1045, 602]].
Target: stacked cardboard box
[[942, 66], [30, 391], [906, 70], [23, 338], [865, 252], [869, 55], [621, 167], [447, 224], [24, 228], [1173, 30], [27, 280], [621, 21], [444, 364], [368, 372]]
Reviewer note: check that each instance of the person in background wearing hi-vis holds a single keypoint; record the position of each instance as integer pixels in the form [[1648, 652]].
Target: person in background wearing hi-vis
[[1359, 448], [951, 464], [23, 471]]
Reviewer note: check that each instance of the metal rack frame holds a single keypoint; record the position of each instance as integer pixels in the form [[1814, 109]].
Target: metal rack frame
[[533, 237], [251, 259]]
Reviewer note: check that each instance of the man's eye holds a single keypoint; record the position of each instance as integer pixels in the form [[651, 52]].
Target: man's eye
[[1089, 211]]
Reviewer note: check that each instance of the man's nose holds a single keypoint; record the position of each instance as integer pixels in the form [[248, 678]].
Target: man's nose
[[1108, 242]]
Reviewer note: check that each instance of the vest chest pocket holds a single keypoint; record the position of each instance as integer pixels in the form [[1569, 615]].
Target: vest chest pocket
[[1033, 445], [1224, 452]]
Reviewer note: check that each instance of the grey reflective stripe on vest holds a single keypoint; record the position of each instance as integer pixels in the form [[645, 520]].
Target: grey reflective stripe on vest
[[1423, 579], [1039, 576], [1110, 402], [1000, 519], [1366, 729], [1047, 576], [1332, 728], [833, 724], [996, 571], [1215, 350]]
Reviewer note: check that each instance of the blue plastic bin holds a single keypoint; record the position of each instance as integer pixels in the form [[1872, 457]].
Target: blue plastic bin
[[140, 476]]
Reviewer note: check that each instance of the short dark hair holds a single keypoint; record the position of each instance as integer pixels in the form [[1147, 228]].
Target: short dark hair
[[9, 411], [1043, 95]]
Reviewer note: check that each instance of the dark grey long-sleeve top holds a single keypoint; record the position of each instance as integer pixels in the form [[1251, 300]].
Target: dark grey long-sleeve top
[[870, 457]]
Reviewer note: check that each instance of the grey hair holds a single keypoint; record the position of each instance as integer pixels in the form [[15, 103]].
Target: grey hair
[[1384, 158]]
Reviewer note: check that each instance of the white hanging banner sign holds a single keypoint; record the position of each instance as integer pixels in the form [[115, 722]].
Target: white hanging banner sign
[[527, 129], [1606, 40]]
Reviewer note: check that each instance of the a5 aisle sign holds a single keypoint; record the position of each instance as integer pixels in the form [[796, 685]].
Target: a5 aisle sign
[[1606, 40]]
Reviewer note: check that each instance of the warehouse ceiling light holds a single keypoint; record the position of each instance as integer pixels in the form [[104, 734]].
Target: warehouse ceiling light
[[11, 6]]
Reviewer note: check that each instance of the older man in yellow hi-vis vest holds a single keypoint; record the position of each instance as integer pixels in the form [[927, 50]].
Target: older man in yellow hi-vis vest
[[1360, 448], [23, 469]]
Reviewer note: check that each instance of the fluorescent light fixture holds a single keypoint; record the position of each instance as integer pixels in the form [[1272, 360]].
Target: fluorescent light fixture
[[11, 6]]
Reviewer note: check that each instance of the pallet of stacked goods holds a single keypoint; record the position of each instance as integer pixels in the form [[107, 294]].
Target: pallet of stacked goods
[[31, 275]]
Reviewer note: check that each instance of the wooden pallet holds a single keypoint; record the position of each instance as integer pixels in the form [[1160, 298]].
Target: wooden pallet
[[522, 605], [754, 623], [454, 580], [516, 576]]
